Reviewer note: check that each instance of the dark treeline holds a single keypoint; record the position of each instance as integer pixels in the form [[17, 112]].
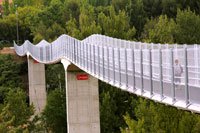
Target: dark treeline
[[158, 21]]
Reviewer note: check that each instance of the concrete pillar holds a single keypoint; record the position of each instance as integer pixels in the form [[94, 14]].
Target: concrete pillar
[[82, 102], [37, 85]]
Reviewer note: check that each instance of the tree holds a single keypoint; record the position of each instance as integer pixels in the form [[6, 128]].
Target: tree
[[8, 26], [120, 4], [54, 114], [169, 7], [114, 103], [159, 30], [53, 32], [15, 115], [187, 28], [71, 10], [133, 125], [137, 15], [107, 111], [87, 23], [72, 28], [18, 108], [10, 72], [53, 11], [152, 8], [6, 6], [116, 25], [55, 76]]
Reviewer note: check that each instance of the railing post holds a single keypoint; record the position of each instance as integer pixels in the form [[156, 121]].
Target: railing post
[[133, 65], [186, 77], [141, 71], [113, 60], [51, 55], [98, 61], [74, 51], [85, 56], [196, 61], [161, 73], [108, 63], [71, 49], [90, 57], [68, 52], [172, 76], [79, 57], [87, 52], [94, 60], [103, 64], [118, 49], [150, 73], [126, 68]]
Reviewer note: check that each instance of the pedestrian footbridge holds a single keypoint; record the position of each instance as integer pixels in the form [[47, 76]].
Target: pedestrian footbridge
[[144, 69]]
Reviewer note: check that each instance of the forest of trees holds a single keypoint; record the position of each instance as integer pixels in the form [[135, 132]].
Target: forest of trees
[[157, 21]]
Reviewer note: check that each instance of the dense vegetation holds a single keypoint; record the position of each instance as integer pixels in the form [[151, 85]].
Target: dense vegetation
[[158, 21]]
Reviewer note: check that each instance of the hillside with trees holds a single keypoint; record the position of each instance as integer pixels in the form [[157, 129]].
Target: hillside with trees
[[157, 21]]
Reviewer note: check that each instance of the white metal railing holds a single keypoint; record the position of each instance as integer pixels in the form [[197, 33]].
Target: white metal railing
[[127, 64]]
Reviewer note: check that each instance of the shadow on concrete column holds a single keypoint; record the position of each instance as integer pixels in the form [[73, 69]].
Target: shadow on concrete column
[[37, 85], [82, 98]]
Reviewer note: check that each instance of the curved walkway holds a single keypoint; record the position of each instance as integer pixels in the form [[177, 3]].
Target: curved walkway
[[140, 68]]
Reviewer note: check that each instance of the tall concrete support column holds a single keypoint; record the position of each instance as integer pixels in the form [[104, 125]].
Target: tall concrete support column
[[37, 85], [82, 98]]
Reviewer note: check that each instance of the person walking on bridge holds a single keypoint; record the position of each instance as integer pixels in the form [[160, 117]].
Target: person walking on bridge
[[178, 70]]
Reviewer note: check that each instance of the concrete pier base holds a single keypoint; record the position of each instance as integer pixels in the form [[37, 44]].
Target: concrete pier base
[[82, 102], [37, 85]]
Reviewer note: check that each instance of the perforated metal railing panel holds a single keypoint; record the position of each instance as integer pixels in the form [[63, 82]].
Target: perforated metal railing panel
[[147, 70]]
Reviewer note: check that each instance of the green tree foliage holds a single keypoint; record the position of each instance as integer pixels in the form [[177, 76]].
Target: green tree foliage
[[120, 4], [6, 7], [99, 2], [15, 115], [72, 28], [188, 27], [116, 25], [137, 15], [87, 22], [156, 117], [55, 76], [114, 103], [17, 107], [10, 72], [71, 10], [52, 14], [25, 22], [159, 30], [8, 26], [133, 125], [50, 34], [54, 114], [107, 111], [152, 8], [54, 32], [3, 92], [169, 7]]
